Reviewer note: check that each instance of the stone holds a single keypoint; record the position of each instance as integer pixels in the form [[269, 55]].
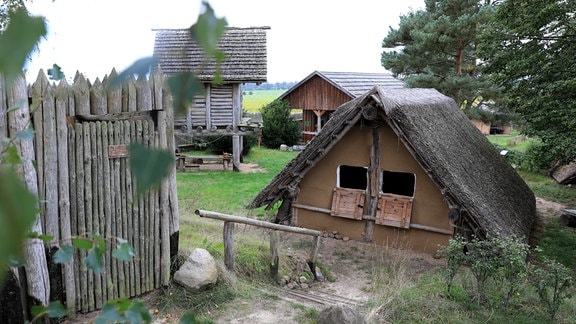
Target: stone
[[340, 314], [302, 279], [199, 271], [284, 147], [319, 275], [345, 239]]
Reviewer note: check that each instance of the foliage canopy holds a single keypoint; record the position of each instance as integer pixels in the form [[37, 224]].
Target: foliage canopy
[[528, 49], [436, 48]]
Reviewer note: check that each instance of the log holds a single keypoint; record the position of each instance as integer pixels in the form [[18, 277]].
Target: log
[[81, 91], [96, 186], [121, 213], [165, 218], [138, 221], [61, 96], [274, 254], [107, 224], [113, 94], [50, 164], [114, 212], [255, 222], [98, 99], [37, 95], [131, 209], [88, 204], [371, 199], [80, 266], [228, 236], [73, 211], [36, 267]]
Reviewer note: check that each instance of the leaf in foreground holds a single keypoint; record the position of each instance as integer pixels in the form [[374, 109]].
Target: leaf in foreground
[[149, 166], [18, 209], [20, 37], [64, 254]]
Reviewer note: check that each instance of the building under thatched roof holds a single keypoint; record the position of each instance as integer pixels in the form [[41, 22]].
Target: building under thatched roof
[[402, 166], [321, 92]]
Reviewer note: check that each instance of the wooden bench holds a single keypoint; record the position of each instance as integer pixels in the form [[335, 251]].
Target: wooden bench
[[185, 162]]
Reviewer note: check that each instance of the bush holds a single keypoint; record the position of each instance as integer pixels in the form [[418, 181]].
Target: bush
[[553, 282], [538, 158], [279, 127]]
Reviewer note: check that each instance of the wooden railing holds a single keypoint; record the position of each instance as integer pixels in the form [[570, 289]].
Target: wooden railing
[[228, 236]]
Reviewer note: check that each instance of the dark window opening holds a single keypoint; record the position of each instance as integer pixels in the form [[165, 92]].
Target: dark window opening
[[352, 177], [398, 183]]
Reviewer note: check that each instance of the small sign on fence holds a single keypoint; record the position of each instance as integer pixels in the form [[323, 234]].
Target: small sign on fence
[[117, 151]]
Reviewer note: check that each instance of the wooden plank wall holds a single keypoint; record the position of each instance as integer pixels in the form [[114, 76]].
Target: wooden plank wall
[[83, 190]]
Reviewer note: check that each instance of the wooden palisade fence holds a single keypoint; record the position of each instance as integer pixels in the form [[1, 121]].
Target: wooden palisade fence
[[85, 185]]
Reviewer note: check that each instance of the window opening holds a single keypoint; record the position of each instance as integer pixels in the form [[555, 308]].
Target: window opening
[[352, 177], [398, 183]]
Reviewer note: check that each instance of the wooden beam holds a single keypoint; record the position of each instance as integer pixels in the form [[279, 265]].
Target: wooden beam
[[312, 208], [255, 222]]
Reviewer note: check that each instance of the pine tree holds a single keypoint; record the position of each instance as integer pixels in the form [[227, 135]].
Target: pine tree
[[436, 48]]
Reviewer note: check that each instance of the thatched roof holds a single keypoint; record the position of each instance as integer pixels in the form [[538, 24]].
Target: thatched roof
[[353, 84], [245, 50], [466, 167]]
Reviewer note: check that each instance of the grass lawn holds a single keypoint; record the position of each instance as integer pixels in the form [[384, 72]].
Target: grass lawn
[[417, 300]]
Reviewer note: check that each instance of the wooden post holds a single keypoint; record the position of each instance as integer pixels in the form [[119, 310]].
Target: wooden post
[[64, 188], [36, 265], [373, 186], [236, 152], [313, 255], [228, 234], [274, 254]]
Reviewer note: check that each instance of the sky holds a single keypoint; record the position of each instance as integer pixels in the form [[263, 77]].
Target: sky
[[94, 36]]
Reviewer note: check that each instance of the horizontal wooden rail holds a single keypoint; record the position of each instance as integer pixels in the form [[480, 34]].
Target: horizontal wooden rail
[[255, 222], [228, 237]]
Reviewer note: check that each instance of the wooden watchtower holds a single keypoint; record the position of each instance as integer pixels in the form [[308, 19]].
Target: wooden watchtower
[[219, 111]]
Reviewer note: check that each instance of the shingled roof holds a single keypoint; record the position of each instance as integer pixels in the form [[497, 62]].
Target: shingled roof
[[470, 173], [353, 84], [245, 50]]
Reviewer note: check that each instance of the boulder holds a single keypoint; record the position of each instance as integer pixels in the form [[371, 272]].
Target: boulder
[[199, 271], [340, 314]]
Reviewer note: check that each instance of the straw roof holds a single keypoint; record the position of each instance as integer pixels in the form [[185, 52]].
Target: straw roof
[[245, 50], [470, 173]]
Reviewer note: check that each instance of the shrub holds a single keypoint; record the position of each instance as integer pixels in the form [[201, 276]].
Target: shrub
[[494, 258], [538, 157], [553, 282], [279, 127]]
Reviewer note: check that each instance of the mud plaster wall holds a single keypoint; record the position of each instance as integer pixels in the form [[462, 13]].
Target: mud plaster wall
[[429, 207]]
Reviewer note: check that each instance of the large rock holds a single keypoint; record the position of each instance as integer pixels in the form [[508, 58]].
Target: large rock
[[340, 314], [199, 272]]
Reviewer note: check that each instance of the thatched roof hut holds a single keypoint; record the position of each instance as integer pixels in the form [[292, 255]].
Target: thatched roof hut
[[473, 190]]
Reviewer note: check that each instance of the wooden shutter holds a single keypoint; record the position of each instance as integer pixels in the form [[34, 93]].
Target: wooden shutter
[[394, 210], [348, 203]]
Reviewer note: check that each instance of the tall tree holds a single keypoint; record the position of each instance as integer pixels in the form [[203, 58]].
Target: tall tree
[[436, 48], [530, 49]]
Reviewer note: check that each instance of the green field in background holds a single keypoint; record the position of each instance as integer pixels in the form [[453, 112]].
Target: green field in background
[[253, 100]]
